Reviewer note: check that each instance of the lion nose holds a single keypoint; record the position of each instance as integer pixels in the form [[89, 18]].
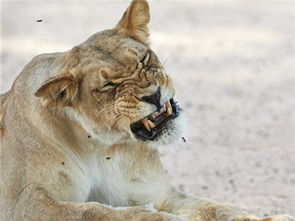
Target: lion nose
[[153, 99]]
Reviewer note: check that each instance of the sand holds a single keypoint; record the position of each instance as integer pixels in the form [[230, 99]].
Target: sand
[[234, 72]]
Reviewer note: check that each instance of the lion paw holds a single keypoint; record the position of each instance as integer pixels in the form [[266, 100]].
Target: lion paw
[[144, 214], [280, 218], [273, 218]]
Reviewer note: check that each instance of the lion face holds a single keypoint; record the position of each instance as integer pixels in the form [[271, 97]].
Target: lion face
[[125, 91], [115, 85]]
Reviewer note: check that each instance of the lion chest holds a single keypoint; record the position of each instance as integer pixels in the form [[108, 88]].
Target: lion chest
[[117, 180]]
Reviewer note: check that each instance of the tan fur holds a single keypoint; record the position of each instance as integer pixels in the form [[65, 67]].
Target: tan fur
[[67, 151], [135, 20]]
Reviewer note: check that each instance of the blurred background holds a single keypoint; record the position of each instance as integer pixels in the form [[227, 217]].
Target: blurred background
[[233, 65]]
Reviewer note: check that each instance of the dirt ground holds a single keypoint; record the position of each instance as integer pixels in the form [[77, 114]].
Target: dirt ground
[[234, 72]]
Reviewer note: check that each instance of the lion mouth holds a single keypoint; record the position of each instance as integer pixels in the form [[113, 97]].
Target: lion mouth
[[151, 126]]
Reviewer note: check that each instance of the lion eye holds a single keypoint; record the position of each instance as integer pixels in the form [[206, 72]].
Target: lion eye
[[145, 59], [107, 86]]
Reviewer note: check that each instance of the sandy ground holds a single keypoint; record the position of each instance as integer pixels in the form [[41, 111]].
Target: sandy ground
[[233, 66]]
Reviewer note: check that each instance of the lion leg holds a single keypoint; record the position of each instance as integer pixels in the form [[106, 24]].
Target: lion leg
[[198, 209], [34, 204], [273, 218], [204, 210]]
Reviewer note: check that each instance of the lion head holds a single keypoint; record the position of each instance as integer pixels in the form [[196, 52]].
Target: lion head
[[114, 85]]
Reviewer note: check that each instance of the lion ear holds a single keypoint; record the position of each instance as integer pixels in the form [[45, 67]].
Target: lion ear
[[59, 91], [134, 22]]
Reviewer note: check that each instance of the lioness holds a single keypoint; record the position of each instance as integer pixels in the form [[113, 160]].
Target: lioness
[[79, 131]]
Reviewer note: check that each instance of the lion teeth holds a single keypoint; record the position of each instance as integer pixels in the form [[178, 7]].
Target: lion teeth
[[151, 124], [163, 109], [169, 108], [146, 124], [155, 114]]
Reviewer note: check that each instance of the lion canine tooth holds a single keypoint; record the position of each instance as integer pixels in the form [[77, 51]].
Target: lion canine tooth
[[151, 124], [169, 108], [163, 109], [146, 124]]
